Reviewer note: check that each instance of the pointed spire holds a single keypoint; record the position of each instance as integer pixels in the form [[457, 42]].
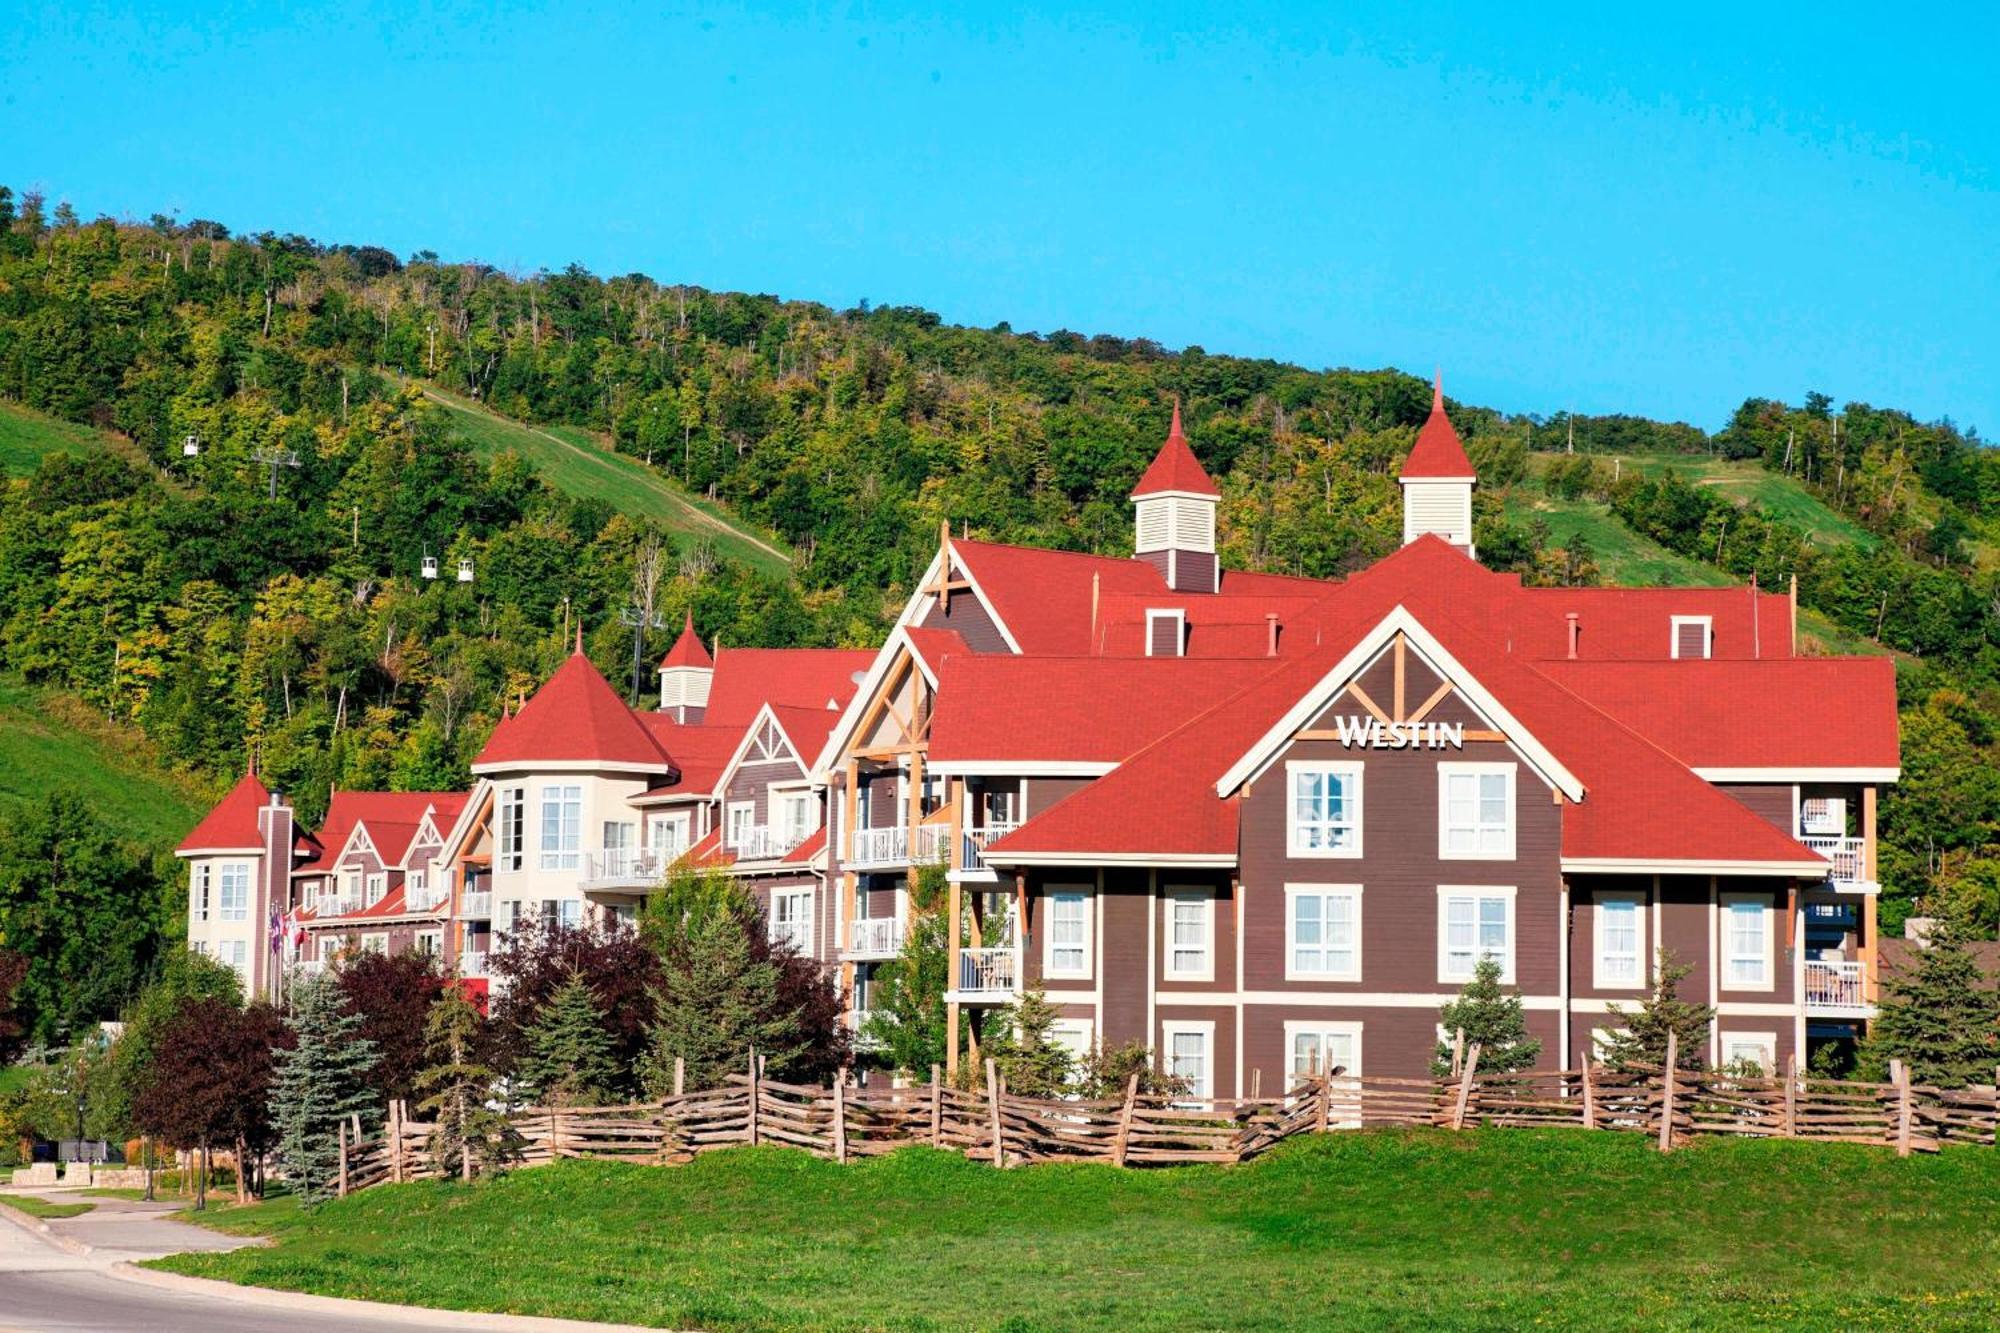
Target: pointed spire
[[579, 638], [1438, 454], [1437, 391], [1174, 431], [1175, 468], [687, 650]]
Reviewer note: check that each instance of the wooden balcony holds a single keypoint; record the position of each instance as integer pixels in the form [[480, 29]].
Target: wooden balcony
[[1836, 989]]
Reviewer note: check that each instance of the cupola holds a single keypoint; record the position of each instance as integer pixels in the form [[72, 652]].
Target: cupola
[[1437, 481], [685, 675], [1176, 515]]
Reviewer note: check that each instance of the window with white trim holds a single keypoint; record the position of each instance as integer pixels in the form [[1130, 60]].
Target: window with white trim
[[429, 943], [1751, 1048], [742, 818], [235, 897], [1074, 1035], [562, 826], [376, 942], [1166, 632], [510, 821], [415, 882], [378, 885], [236, 953], [1190, 934], [1067, 936], [667, 835], [1476, 812], [1693, 636], [792, 812], [1746, 942], [1474, 922], [1322, 932], [1315, 1047], [1187, 1053], [1323, 809], [200, 880], [1602, 1040], [791, 918], [1620, 941], [562, 912]]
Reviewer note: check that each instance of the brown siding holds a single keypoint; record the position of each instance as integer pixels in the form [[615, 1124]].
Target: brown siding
[[1123, 948], [751, 782], [1045, 792], [1684, 928], [1222, 941], [969, 616], [1771, 801]]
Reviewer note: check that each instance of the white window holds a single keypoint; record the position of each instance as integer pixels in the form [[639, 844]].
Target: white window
[[429, 942], [1746, 942], [1075, 1036], [1601, 1040], [1476, 812], [1323, 932], [378, 884], [742, 818], [1620, 941], [1067, 939], [791, 918], [199, 880], [236, 953], [1187, 1055], [1166, 632], [793, 814], [416, 880], [562, 912], [510, 814], [667, 835], [1190, 932], [1474, 922], [1824, 816], [1316, 1047], [235, 891], [562, 826], [377, 942], [1323, 816], [1693, 636], [1754, 1048]]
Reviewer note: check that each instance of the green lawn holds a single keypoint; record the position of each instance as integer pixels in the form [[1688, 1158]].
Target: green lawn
[[27, 437], [1499, 1228], [1624, 556], [1749, 482], [42, 1208], [50, 741], [579, 464]]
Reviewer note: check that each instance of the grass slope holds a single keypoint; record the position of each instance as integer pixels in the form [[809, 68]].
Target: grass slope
[[1427, 1229], [27, 437], [576, 462], [1751, 483], [1625, 557], [49, 740], [42, 1208]]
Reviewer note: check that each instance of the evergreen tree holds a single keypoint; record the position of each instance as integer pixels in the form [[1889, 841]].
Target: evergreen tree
[[321, 1081], [716, 1001], [1491, 1017], [1033, 1064], [1937, 1015], [907, 1018], [1644, 1039], [458, 1087], [569, 1060]]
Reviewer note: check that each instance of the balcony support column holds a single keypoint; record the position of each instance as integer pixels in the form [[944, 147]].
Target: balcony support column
[[1865, 948], [953, 905]]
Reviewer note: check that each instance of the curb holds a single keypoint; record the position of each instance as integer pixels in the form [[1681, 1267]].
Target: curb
[[42, 1231], [272, 1298]]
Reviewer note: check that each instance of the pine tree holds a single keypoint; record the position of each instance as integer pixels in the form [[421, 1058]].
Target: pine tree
[[907, 1018], [1033, 1064], [1493, 1018], [714, 1003], [569, 1060], [459, 1088], [1644, 1039], [1937, 1016], [321, 1081]]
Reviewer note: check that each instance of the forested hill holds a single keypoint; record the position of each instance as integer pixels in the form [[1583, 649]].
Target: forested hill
[[177, 593]]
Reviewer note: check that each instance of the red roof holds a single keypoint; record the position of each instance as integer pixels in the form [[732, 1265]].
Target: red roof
[[700, 753], [1438, 454], [1175, 468], [807, 729], [748, 678], [687, 650], [232, 824], [1744, 714], [576, 718], [998, 707], [932, 646], [804, 853], [391, 818], [707, 852]]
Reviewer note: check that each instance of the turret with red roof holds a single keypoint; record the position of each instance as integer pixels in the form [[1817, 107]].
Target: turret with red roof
[[1437, 481], [686, 673], [1176, 502]]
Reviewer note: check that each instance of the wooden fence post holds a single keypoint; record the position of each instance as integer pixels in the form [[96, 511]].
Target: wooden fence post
[[1667, 1092], [1123, 1140], [1589, 1098], [340, 1189], [1457, 1052], [1906, 1110], [937, 1110], [753, 1096], [1325, 1108], [840, 1115], [680, 1074], [394, 1131], [1791, 1127], [465, 1161], [993, 1101], [1996, 1113], [1465, 1087]]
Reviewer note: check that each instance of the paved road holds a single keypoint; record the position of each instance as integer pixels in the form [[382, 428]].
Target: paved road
[[48, 1283]]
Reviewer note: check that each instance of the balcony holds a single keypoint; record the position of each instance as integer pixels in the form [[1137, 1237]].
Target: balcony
[[1831, 916], [1849, 872], [872, 937], [759, 842], [973, 843], [988, 976], [424, 899], [336, 904], [1837, 989], [624, 868], [472, 963], [881, 846], [476, 906]]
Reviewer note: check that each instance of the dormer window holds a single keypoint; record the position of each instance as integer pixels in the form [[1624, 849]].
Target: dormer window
[[1692, 637], [1166, 633]]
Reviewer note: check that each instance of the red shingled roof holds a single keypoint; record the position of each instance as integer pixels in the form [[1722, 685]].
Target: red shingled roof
[[232, 824], [700, 753], [688, 650], [391, 817], [932, 646], [1175, 468], [576, 718], [1438, 455], [748, 678]]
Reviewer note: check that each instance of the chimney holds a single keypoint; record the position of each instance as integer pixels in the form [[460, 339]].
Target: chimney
[[1573, 629], [1271, 636]]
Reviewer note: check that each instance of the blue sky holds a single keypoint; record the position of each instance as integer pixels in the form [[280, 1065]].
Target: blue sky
[[1588, 208]]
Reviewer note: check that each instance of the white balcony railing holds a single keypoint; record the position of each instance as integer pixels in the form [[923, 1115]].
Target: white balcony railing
[[933, 842], [874, 937], [424, 899], [336, 904], [881, 846], [308, 967], [989, 972], [761, 842], [630, 867], [476, 906], [1849, 857], [976, 840], [1835, 986], [472, 963]]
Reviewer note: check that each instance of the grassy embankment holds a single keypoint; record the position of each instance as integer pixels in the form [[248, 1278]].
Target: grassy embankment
[[1383, 1229], [49, 741], [27, 437], [42, 1208], [577, 463]]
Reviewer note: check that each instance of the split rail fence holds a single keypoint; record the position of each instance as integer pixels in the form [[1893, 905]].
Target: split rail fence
[[842, 1121]]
